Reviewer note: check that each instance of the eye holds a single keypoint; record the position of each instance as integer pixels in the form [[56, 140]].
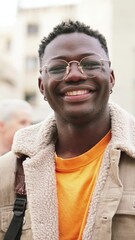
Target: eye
[[57, 68], [88, 64]]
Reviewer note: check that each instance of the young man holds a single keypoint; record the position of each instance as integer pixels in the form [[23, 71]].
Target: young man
[[79, 164], [14, 115]]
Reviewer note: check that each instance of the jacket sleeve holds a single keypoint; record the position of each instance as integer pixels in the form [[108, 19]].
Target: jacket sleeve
[[7, 194]]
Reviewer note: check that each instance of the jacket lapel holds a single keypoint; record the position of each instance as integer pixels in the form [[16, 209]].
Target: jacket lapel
[[42, 195]]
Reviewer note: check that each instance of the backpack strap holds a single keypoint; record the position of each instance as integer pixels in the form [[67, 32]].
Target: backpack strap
[[15, 228]]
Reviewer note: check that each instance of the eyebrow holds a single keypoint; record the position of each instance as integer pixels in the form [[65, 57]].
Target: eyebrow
[[80, 55]]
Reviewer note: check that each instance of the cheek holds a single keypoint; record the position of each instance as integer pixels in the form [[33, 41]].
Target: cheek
[[50, 89], [104, 90]]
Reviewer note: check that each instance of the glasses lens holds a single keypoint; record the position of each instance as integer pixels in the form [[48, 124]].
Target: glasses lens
[[57, 69], [91, 65]]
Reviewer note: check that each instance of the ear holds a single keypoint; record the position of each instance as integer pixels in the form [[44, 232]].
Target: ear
[[112, 79], [41, 85]]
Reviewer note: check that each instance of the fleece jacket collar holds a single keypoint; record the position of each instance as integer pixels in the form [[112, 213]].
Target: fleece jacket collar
[[31, 140]]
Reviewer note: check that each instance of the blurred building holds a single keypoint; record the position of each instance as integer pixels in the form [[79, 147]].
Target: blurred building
[[9, 84], [19, 65], [123, 52]]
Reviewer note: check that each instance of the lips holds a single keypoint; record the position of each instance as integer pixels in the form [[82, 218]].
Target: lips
[[76, 92]]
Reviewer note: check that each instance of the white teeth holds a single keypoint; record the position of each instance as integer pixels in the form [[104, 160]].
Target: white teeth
[[77, 92]]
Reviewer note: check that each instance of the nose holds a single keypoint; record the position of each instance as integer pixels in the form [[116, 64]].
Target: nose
[[75, 73]]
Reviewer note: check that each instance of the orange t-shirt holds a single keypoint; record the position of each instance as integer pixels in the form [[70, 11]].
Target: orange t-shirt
[[76, 178]]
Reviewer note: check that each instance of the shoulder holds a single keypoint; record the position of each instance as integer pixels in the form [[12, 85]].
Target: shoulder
[[7, 178], [28, 141], [7, 196], [7, 168], [36, 130], [119, 112], [7, 162]]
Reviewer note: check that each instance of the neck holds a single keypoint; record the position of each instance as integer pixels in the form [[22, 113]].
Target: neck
[[74, 140]]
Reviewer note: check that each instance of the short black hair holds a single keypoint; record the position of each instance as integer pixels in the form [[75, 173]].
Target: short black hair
[[71, 27]]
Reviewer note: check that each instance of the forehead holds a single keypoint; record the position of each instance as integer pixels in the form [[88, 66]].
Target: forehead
[[72, 45]]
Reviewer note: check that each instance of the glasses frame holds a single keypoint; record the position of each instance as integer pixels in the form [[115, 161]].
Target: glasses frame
[[101, 60]]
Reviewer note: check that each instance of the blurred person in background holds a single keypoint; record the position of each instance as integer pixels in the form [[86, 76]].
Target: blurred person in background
[[76, 169], [14, 115]]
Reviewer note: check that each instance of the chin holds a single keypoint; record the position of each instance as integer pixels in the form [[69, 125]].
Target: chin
[[78, 117]]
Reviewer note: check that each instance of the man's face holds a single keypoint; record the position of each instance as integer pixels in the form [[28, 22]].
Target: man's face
[[77, 97], [20, 119]]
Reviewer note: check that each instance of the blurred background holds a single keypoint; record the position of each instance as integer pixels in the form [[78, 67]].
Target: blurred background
[[23, 23]]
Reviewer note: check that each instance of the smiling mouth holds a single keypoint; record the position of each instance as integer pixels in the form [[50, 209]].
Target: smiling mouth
[[78, 92]]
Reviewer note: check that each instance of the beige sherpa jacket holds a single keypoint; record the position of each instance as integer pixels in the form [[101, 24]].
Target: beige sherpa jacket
[[112, 210]]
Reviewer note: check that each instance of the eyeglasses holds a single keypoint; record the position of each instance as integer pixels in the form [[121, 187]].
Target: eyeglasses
[[91, 66]]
